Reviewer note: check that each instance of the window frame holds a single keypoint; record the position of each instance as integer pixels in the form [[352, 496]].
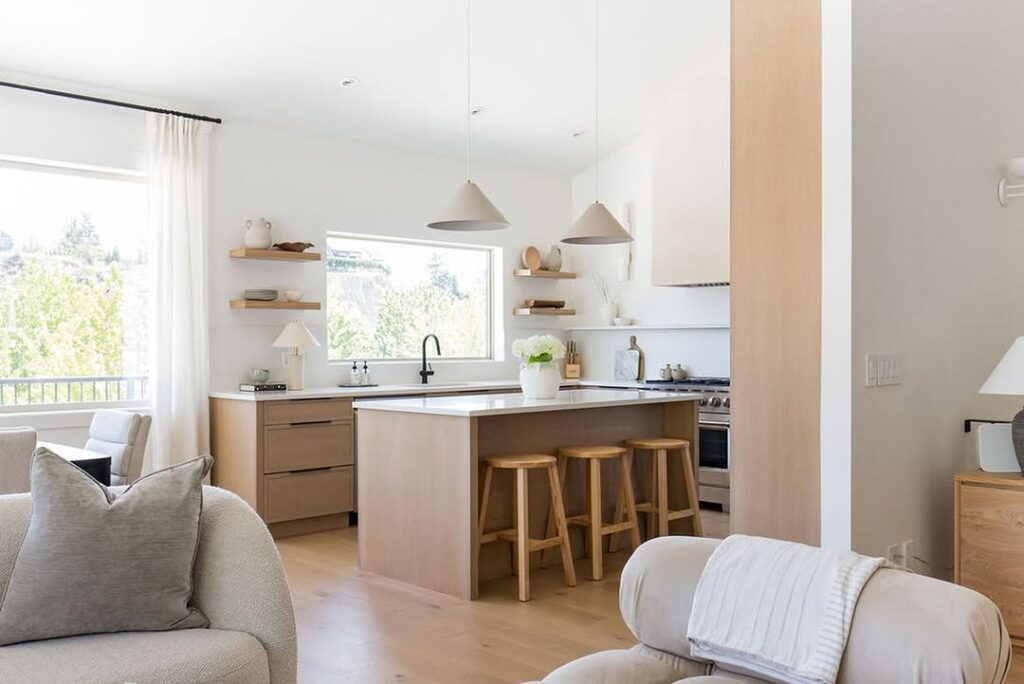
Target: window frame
[[492, 252], [63, 168]]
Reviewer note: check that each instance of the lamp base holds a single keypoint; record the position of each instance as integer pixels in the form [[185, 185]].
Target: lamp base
[[297, 370], [1017, 431]]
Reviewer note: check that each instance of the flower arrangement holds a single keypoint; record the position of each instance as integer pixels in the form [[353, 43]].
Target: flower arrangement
[[538, 349], [607, 290]]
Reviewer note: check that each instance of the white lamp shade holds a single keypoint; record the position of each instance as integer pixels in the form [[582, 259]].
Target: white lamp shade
[[1008, 376], [296, 334], [597, 226], [469, 209]]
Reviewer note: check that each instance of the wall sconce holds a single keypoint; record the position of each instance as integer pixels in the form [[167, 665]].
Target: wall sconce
[[1008, 191]]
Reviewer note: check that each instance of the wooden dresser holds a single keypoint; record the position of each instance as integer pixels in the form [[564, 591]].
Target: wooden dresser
[[989, 544], [292, 460]]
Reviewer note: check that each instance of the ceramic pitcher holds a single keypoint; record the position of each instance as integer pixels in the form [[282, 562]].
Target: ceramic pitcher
[[257, 233]]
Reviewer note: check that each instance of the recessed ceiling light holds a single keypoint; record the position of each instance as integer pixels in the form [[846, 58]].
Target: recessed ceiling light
[[579, 133], [477, 110], [348, 82]]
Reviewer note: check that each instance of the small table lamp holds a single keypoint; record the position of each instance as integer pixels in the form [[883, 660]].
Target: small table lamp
[[1008, 378], [297, 337]]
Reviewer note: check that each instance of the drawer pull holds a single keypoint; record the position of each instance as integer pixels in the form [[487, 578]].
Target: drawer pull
[[311, 470], [311, 422]]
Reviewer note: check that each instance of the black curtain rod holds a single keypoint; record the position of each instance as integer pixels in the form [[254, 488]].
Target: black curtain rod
[[113, 103]]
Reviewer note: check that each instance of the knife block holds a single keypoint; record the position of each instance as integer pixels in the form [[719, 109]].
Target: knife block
[[572, 371]]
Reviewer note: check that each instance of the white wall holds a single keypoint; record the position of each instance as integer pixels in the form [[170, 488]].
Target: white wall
[[307, 184], [936, 261], [626, 189]]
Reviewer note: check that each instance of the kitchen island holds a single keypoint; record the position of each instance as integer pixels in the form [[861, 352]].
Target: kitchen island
[[418, 475]]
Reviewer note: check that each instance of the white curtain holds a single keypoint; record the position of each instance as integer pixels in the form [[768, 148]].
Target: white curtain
[[178, 160]]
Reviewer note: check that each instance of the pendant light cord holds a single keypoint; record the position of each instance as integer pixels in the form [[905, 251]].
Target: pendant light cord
[[597, 57], [469, 113]]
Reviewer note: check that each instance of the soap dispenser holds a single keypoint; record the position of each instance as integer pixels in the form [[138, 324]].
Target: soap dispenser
[[353, 375], [366, 374]]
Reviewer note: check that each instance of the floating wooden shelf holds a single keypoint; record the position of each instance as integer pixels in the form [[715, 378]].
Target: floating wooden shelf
[[273, 255], [543, 312], [252, 304], [541, 273]]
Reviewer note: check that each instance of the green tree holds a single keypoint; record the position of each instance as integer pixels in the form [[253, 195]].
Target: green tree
[[80, 240]]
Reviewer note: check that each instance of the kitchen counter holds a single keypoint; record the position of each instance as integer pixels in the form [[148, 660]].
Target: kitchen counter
[[474, 405], [419, 469], [409, 389]]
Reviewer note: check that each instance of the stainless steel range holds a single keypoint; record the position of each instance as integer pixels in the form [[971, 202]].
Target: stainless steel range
[[714, 452]]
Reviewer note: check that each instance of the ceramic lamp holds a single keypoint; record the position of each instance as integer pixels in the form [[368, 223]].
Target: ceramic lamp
[[296, 337], [1008, 379]]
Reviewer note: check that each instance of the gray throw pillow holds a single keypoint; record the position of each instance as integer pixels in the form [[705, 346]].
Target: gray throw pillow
[[98, 561]]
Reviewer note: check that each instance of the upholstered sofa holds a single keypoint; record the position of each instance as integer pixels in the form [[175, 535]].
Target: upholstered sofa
[[907, 628], [239, 584], [16, 447]]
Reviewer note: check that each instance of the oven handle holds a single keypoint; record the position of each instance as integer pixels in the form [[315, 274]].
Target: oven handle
[[713, 425]]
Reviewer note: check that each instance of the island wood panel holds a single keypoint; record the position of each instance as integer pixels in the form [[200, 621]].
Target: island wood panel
[[776, 268], [544, 433], [417, 486]]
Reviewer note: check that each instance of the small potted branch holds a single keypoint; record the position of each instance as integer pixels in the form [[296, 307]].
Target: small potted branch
[[609, 293], [538, 374]]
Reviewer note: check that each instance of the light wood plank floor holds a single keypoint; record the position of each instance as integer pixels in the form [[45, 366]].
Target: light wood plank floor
[[359, 628]]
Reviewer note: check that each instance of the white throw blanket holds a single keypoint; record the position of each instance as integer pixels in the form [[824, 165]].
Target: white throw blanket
[[777, 609]]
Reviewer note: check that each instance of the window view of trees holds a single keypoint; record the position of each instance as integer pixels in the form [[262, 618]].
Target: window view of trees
[[383, 296], [72, 304]]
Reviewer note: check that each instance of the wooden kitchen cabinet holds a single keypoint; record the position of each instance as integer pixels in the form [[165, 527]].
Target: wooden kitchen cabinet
[[989, 542], [292, 460]]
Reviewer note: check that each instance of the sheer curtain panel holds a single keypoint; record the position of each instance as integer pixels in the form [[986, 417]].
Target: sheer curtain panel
[[178, 161]]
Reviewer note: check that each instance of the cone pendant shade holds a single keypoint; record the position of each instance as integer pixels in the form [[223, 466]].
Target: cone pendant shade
[[469, 209], [597, 226]]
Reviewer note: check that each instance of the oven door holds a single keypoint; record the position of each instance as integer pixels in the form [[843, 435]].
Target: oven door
[[714, 445]]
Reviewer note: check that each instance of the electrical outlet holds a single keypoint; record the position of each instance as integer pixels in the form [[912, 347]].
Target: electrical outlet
[[907, 550], [891, 553], [870, 369]]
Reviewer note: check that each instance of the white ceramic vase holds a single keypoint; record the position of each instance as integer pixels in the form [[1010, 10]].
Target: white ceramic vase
[[609, 312], [257, 233], [540, 380]]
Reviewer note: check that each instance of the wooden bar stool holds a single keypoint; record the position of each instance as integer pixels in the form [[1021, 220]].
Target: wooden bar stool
[[657, 508], [596, 529], [519, 533]]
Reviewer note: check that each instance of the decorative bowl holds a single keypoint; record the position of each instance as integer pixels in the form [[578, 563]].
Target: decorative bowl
[[293, 246], [622, 320], [293, 295], [259, 374]]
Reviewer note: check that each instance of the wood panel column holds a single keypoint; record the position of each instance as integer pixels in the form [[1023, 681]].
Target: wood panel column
[[776, 268]]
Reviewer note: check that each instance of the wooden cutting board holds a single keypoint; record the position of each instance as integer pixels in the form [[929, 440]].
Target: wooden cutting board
[[544, 303]]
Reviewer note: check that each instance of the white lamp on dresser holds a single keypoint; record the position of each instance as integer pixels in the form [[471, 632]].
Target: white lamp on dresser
[[296, 337], [1008, 379]]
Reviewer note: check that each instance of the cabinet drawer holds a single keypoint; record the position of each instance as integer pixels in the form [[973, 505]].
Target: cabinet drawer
[[301, 447], [306, 411], [991, 549], [292, 496]]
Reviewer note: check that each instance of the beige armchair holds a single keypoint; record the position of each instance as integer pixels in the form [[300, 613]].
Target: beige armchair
[[16, 447], [239, 585], [907, 628]]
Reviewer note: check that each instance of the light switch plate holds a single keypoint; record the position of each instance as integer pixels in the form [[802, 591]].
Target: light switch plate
[[890, 369], [870, 369]]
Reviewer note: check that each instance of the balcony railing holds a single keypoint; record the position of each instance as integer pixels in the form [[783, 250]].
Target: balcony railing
[[73, 390]]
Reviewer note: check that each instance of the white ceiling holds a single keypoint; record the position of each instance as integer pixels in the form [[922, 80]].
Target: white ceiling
[[280, 62]]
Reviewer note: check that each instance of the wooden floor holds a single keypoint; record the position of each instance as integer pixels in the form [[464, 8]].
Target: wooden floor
[[355, 628]]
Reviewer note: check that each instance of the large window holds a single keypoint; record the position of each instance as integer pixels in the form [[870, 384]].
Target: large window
[[384, 295], [73, 286]]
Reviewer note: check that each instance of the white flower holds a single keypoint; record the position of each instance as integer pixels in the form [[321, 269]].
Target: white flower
[[538, 349]]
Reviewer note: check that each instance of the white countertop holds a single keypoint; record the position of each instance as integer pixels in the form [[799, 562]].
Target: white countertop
[[473, 405], [399, 390]]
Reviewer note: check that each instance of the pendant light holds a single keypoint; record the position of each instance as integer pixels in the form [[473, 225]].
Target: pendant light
[[469, 208], [596, 225]]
